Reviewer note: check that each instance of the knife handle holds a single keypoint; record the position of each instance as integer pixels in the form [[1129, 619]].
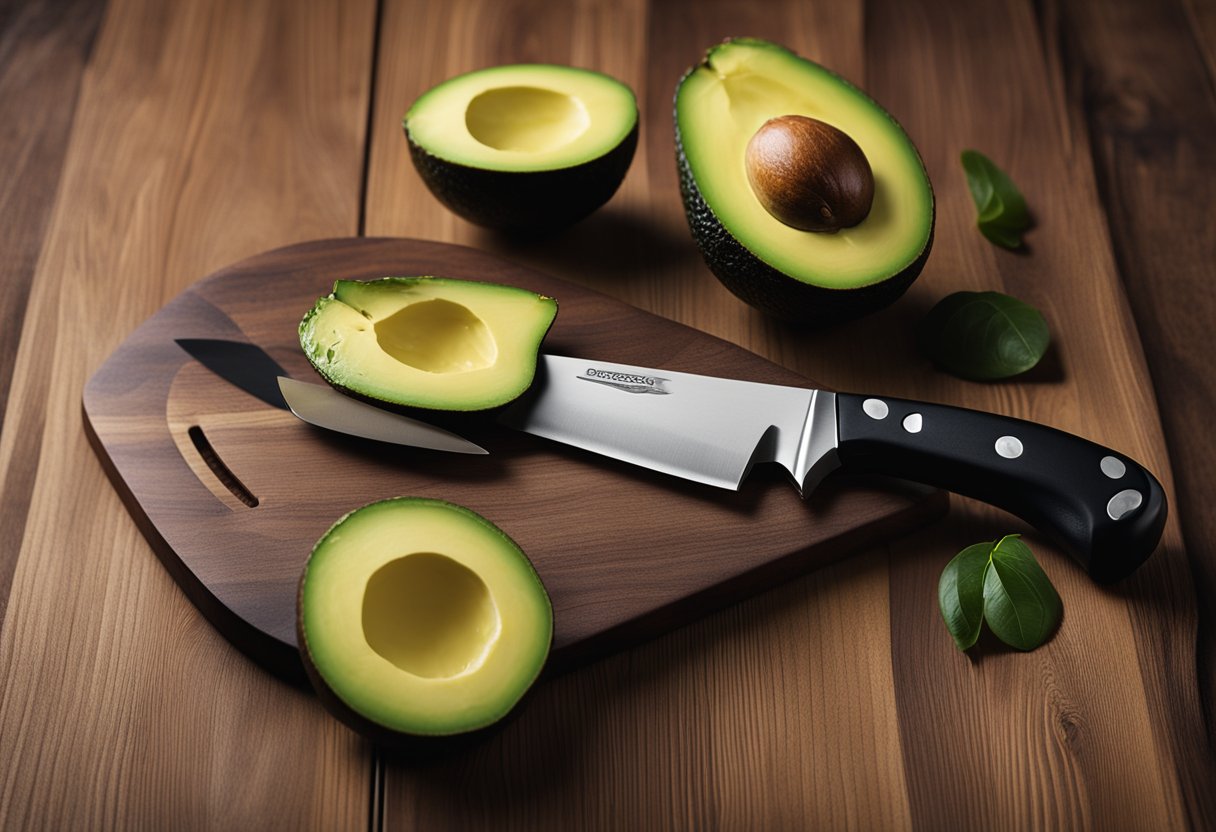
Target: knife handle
[[1106, 510]]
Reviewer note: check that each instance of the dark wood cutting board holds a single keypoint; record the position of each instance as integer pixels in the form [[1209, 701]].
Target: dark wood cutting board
[[232, 493]]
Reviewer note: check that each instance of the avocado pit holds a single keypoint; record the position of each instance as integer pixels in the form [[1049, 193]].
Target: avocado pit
[[809, 174]]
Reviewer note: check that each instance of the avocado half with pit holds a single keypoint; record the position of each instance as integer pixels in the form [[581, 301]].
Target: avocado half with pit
[[767, 146], [418, 619], [528, 147], [428, 342]]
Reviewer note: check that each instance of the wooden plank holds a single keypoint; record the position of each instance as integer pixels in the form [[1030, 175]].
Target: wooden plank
[[1201, 15], [1153, 137], [43, 50], [1077, 733], [205, 132]]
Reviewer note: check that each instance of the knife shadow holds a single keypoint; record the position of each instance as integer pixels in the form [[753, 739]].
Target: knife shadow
[[469, 468]]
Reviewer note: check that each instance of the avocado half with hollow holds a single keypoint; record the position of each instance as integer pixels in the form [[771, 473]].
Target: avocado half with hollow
[[527, 147], [747, 88], [428, 342], [419, 618]]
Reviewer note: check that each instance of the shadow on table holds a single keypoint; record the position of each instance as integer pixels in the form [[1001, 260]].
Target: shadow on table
[[607, 248]]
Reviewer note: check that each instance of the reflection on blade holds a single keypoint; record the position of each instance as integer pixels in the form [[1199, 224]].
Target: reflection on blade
[[701, 428], [327, 408]]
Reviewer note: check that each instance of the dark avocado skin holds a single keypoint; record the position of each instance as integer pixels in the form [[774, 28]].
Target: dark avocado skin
[[531, 202], [767, 289]]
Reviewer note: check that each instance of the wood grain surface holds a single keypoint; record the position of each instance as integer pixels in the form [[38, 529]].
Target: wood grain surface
[[198, 138], [43, 50], [1153, 160], [194, 134]]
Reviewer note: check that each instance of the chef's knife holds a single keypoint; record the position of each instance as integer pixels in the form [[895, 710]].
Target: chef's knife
[[1104, 508], [252, 369]]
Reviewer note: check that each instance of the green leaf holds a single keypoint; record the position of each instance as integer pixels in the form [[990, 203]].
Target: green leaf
[[1001, 236], [984, 336], [1001, 209], [960, 593], [999, 582], [1021, 606]]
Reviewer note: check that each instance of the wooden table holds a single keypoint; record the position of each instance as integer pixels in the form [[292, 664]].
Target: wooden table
[[147, 144]]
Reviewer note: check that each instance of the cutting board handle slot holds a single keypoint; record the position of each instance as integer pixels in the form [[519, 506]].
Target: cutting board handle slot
[[222, 472]]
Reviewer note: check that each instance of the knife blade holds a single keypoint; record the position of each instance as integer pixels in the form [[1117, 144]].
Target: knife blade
[[327, 408], [249, 367], [1101, 506]]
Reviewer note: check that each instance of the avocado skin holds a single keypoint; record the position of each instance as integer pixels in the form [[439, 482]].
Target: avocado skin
[[528, 202], [760, 285]]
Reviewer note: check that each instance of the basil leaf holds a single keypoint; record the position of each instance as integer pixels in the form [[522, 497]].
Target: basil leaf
[[984, 335], [1021, 606], [1002, 213], [960, 593]]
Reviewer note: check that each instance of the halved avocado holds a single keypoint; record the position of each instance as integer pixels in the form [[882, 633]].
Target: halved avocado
[[428, 342], [527, 147], [418, 618], [810, 277]]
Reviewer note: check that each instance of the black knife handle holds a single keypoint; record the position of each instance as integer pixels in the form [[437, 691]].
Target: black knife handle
[[1105, 509]]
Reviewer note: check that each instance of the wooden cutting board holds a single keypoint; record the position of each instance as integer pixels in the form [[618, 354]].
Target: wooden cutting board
[[232, 493]]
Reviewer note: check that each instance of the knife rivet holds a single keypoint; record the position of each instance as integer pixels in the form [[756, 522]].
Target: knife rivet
[[1009, 447], [913, 423], [1124, 503], [875, 408], [1113, 467]]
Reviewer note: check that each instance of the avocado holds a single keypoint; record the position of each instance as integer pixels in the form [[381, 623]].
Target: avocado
[[776, 197], [428, 342], [419, 619], [524, 148]]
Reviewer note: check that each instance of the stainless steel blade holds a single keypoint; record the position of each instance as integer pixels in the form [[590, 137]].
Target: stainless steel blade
[[327, 408], [701, 428]]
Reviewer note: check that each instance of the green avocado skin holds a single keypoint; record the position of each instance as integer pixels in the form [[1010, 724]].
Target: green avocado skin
[[760, 285], [532, 202]]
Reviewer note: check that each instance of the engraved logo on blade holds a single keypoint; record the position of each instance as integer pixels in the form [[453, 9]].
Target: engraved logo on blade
[[628, 382]]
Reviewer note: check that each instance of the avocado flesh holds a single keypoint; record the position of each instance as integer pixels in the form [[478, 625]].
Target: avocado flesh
[[428, 342], [420, 618], [525, 117], [720, 105], [527, 147]]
